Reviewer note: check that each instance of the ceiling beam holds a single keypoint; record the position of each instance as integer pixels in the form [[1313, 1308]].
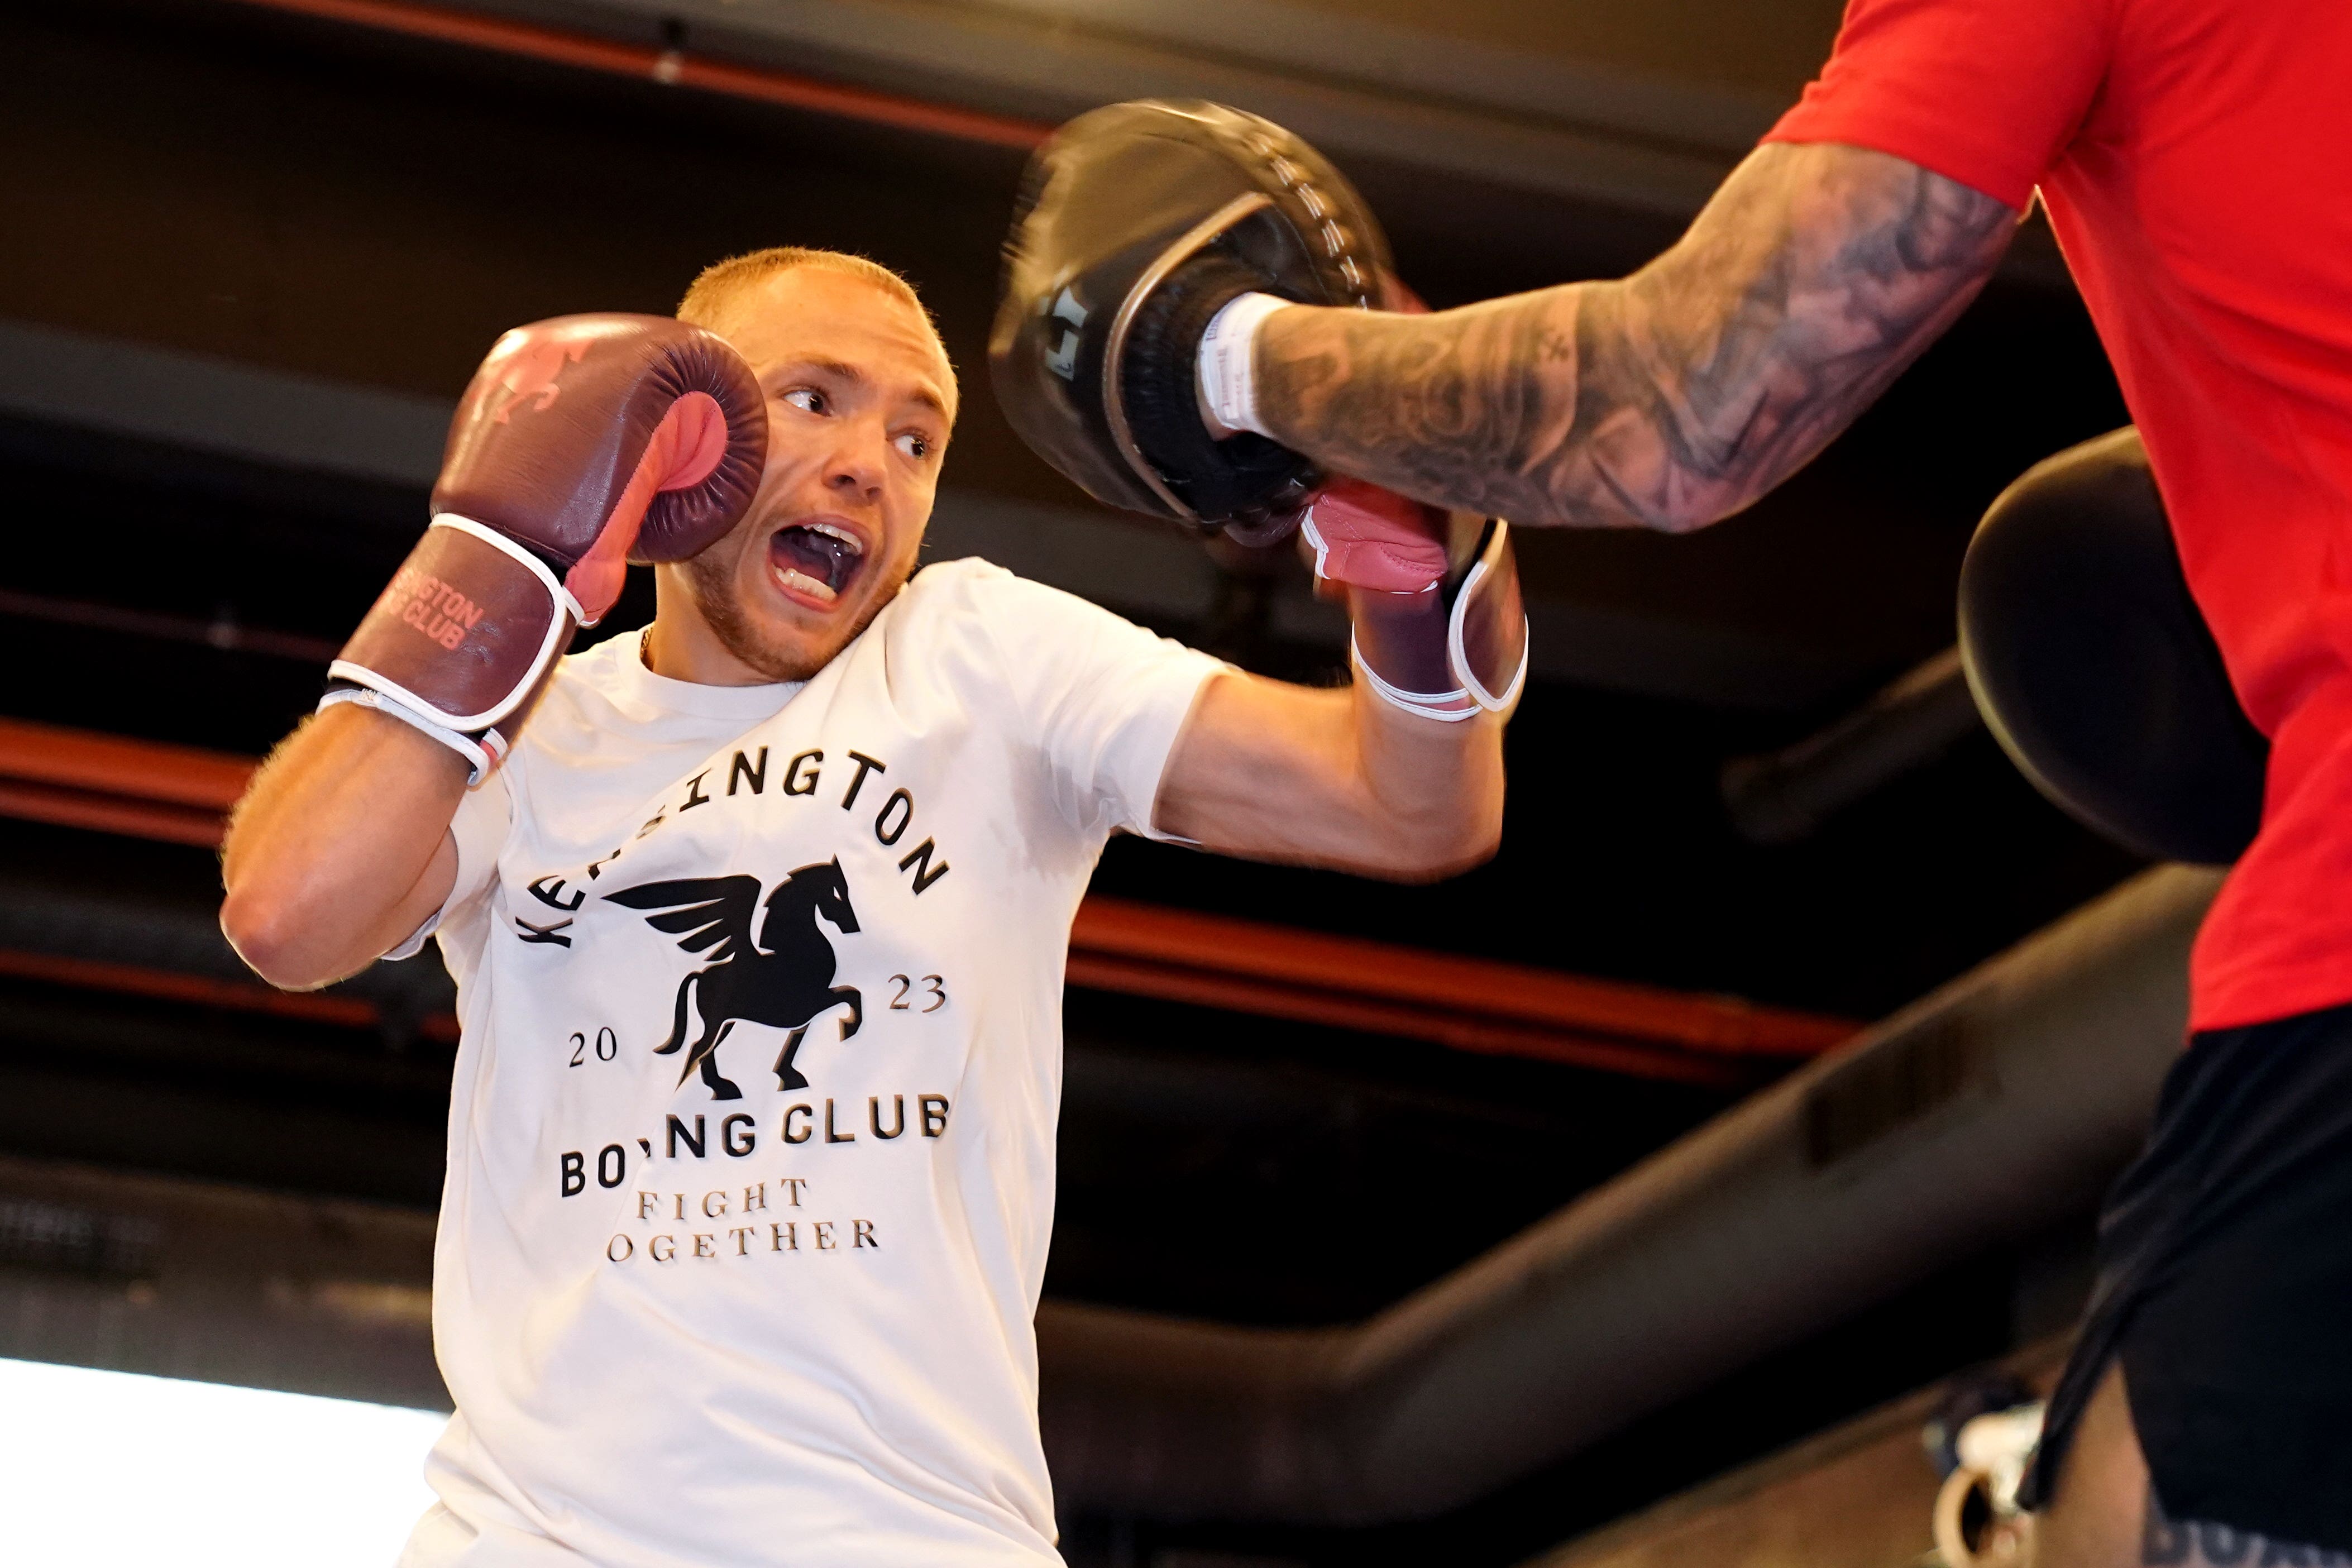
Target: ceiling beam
[[672, 68], [996, 76]]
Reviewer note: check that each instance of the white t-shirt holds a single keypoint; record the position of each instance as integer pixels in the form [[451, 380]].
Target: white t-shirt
[[723, 1307]]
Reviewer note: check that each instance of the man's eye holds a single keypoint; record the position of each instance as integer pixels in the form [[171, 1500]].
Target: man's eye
[[807, 399], [916, 446]]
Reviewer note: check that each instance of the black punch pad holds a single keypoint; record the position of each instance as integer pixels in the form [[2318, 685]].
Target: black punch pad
[[2092, 665]]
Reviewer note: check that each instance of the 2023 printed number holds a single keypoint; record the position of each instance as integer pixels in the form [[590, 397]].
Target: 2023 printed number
[[607, 1045], [934, 991], [911, 995], [914, 993]]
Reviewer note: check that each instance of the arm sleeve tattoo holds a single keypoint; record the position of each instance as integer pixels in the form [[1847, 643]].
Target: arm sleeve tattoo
[[1669, 399]]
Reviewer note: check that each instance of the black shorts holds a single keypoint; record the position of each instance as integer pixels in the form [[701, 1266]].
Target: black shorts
[[2225, 1284]]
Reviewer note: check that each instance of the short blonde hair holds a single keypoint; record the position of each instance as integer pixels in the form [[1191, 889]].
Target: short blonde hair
[[706, 297], [718, 283]]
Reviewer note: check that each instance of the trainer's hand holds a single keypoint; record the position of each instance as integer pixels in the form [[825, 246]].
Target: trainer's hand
[[1140, 228]]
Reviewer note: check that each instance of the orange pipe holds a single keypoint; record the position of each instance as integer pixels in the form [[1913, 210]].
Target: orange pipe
[[673, 67], [1463, 1032], [183, 794], [142, 789], [82, 761], [1469, 988]]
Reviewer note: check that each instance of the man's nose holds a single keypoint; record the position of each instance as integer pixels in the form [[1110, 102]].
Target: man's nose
[[854, 467]]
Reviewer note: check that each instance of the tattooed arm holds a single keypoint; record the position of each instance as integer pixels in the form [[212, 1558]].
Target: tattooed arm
[[1668, 400]]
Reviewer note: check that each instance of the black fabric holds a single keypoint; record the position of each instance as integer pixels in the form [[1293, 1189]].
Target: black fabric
[[2225, 1286]]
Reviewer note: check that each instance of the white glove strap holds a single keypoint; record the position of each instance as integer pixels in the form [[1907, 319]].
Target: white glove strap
[[1486, 663], [1445, 707], [1314, 537], [1228, 359], [482, 753]]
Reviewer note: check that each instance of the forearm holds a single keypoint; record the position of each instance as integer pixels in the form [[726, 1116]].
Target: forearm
[[1335, 778], [340, 847], [1437, 785], [1669, 399], [1450, 408]]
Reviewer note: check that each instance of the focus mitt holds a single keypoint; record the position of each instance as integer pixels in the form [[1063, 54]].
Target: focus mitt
[[2092, 665], [1135, 225]]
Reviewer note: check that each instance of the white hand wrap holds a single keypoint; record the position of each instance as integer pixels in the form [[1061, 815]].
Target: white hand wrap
[[1228, 360]]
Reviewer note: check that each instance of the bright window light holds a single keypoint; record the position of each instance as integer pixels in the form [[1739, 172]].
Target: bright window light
[[105, 1469]]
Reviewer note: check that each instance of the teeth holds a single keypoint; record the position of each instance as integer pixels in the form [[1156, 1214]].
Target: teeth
[[808, 584], [856, 547]]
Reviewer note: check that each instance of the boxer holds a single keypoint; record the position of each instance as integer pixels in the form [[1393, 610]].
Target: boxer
[[2190, 154], [759, 916]]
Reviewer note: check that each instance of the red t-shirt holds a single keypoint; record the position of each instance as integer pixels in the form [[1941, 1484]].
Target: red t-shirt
[[2196, 159]]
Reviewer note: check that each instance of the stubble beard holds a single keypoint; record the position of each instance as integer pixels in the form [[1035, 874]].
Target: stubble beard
[[713, 585]]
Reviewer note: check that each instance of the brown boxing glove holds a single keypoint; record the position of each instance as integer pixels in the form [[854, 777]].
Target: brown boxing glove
[[583, 443], [1439, 626]]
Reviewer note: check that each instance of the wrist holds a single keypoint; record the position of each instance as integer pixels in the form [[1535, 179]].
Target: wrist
[[1226, 373], [462, 641], [481, 751], [1452, 650]]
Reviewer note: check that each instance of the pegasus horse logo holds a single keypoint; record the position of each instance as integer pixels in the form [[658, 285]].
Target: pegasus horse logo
[[783, 986]]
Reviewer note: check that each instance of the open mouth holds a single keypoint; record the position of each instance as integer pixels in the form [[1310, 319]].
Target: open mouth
[[815, 561]]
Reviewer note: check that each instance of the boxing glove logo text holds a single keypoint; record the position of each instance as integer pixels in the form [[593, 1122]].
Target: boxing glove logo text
[[433, 606]]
